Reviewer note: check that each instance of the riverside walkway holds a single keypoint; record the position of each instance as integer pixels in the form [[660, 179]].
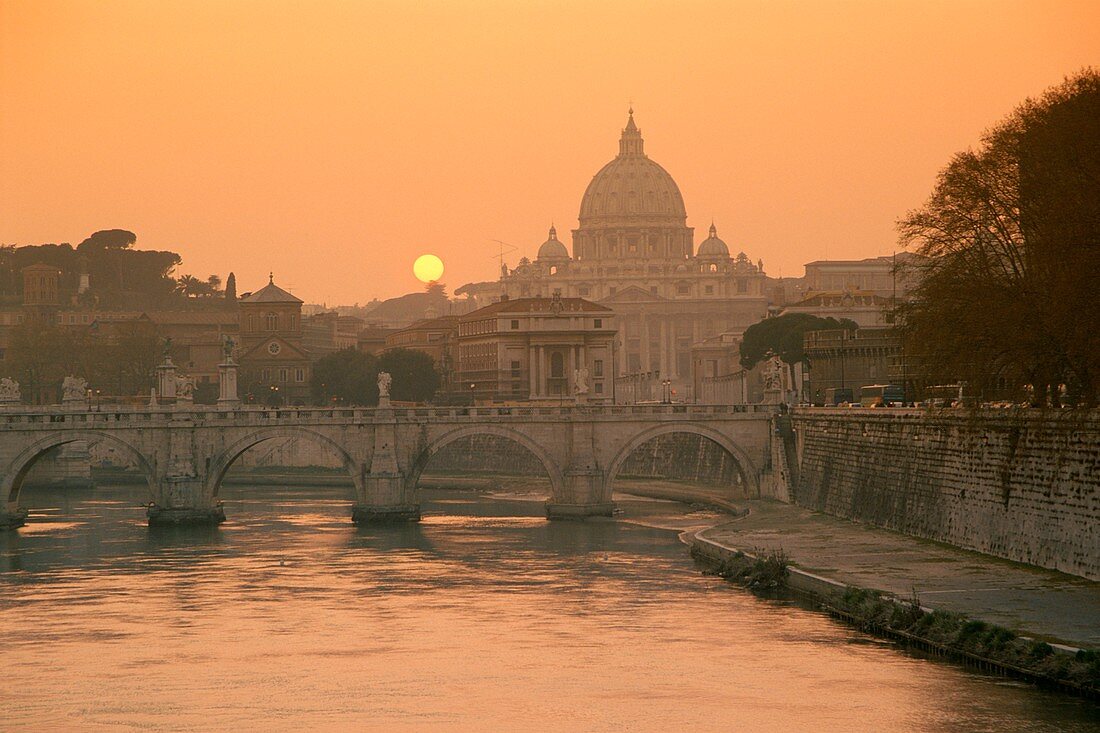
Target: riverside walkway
[[1032, 601]]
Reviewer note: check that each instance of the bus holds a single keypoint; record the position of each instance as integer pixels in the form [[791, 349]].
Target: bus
[[944, 395], [882, 395], [838, 396]]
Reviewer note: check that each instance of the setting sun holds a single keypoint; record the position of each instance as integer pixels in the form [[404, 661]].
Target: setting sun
[[428, 268]]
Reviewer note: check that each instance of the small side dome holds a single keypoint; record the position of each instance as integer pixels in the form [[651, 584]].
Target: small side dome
[[712, 246], [552, 249]]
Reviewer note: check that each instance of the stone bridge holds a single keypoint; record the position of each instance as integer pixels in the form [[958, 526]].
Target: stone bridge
[[185, 453]]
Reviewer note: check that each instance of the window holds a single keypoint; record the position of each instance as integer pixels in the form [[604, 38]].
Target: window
[[683, 289], [713, 268], [267, 375], [709, 290], [282, 375], [597, 323], [272, 321], [597, 368], [252, 322], [598, 387], [299, 375], [515, 369], [583, 292], [515, 324], [557, 365]]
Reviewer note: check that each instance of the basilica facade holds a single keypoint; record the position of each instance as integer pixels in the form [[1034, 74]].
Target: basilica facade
[[634, 253]]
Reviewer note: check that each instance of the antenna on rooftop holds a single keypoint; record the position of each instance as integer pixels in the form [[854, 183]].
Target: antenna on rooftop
[[499, 257]]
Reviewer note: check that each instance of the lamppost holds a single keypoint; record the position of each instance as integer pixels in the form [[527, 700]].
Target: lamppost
[[666, 391], [473, 386], [274, 402]]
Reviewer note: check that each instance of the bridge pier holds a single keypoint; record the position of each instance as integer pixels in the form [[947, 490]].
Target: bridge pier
[[13, 519], [386, 496], [184, 502], [582, 496], [385, 500]]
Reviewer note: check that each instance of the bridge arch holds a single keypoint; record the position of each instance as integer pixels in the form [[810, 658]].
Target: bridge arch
[[11, 483], [749, 474], [221, 463], [420, 462]]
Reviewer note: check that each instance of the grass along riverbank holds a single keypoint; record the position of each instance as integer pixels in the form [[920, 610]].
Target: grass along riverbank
[[955, 636]]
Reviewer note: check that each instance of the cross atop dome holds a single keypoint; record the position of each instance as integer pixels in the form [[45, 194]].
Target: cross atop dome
[[631, 141]]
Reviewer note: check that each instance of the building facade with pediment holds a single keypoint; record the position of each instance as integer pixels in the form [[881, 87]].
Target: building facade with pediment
[[634, 253], [275, 366]]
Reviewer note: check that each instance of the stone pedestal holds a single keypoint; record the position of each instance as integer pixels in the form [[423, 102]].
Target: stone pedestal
[[13, 519], [227, 385], [166, 380]]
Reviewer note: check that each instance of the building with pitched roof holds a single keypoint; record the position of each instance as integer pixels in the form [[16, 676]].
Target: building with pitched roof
[[275, 365]]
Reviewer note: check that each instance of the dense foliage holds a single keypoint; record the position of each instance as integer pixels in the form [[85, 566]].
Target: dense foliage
[[120, 277], [1009, 296], [350, 377], [782, 336], [40, 356]]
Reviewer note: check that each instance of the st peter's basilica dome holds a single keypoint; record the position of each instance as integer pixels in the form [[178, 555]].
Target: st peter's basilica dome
[[632, 187]]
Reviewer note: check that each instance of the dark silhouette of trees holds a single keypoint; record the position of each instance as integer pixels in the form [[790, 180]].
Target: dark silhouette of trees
[[231, 288], [782, 336], [1009, 296], [415, 376], [351, 377]]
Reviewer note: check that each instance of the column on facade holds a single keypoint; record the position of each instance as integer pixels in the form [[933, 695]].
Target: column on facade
[[532, 374], [569, 383], [645, 363], [663, 355], [541, 363]]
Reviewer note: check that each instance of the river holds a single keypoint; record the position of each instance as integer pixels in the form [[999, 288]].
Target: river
[[484, 616]]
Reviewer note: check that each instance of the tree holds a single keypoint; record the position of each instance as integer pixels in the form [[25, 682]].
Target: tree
[[349, 376], [1011, 236], [782, 336], [415, 376], [231, 288]]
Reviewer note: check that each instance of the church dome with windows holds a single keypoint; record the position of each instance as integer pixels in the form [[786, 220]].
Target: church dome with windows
[[712, 246], [552, 249], [632, 186]]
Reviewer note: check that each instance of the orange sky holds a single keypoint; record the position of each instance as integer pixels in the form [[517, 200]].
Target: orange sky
[[334, 142]]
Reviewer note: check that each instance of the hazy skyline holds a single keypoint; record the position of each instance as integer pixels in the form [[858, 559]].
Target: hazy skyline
[[333, 144]]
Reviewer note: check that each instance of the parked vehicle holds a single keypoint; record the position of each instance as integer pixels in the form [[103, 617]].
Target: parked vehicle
[[882, 395]]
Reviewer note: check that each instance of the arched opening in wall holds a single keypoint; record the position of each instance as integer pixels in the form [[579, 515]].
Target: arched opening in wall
[[80, 481], [679, 466], [483, 474], [284, 476]]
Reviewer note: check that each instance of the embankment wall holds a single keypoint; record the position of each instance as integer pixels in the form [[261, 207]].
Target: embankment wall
[[1022, 485]]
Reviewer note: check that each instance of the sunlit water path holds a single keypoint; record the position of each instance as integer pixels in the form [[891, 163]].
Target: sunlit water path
[[484, 616]]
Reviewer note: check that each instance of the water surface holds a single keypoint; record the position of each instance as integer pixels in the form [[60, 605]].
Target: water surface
[[484, 616]]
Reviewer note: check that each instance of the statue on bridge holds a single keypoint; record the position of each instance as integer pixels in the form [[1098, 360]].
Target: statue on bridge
[[228, 346], [384, 382], [74, 389], [185, 388], [9, 391]]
